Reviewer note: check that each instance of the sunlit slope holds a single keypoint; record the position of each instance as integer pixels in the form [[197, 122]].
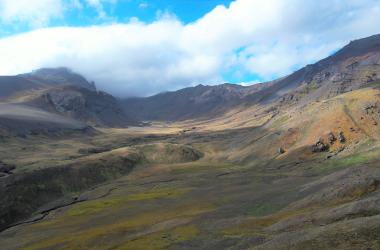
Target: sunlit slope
[[354, 116]]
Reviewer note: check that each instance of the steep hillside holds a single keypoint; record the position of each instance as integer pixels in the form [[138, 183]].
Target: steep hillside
[[353, 67]]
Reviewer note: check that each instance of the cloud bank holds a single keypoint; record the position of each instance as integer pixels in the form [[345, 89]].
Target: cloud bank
[[248, 39]]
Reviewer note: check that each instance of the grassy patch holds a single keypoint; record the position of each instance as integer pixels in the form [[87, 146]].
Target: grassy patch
[[374, 84], [97, 206], [156, 194], [93, 207], [89, 238], [348, 161]]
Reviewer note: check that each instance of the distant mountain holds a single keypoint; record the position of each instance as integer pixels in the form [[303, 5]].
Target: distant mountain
[[23, 84], [193, 102], [59, 76], [63, 92], [354, 66]]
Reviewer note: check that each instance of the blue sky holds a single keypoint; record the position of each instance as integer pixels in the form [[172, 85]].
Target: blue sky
[[120, 12], [142, 47]]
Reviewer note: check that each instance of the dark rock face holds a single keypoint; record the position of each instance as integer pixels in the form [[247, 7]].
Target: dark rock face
[[66, 101], [319, 146]]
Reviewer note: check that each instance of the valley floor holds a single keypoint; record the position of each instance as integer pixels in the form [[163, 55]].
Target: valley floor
[[193, 186]]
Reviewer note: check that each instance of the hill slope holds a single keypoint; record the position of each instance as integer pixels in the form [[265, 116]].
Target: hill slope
[[21, 120]]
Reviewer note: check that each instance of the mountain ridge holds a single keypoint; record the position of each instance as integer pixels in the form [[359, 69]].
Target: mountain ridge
[[351, 67]]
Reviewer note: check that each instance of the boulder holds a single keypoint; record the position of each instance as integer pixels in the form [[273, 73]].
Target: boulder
[[319, 146], [281, 150], [331, 138], [341, 137]]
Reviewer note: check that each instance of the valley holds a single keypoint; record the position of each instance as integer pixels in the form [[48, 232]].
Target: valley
[[290, 164]]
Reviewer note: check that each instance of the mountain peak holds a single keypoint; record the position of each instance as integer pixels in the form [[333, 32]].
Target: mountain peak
[[60, 76]]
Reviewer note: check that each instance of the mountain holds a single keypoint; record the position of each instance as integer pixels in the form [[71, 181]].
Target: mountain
[[96, 108], [353, 67], [194, 102], [23, 84], [62, 92], [59, 76]]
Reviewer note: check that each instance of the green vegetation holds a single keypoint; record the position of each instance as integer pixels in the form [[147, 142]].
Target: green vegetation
[[347, 161], [89, 238], [100, 205], [374, 84]]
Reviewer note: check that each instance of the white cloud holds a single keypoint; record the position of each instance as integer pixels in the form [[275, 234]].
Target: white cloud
[[36, 13], [267, 39]]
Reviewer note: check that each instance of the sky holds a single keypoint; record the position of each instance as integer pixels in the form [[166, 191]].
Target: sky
[[143, 47]]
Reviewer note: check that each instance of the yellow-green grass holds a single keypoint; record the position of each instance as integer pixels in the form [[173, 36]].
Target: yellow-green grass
[[102, 237], [92, 207]]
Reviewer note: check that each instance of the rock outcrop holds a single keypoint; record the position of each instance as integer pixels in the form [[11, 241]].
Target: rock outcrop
[[341, 137], [319, 146]]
